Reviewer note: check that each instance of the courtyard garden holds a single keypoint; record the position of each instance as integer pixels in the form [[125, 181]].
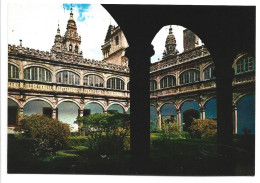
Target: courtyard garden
[[102, 146]]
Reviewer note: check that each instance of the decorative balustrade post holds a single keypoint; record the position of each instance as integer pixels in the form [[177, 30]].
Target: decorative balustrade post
[[139, 63]]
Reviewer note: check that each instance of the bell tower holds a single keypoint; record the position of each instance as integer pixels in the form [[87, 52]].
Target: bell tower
[[71, 39], [170, 45]]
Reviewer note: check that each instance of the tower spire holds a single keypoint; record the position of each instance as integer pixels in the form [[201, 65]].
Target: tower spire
[[58, 30], [71, 14]]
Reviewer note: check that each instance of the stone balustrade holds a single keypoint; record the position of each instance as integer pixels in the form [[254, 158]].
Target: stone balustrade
[[13, 49], [187, 56]]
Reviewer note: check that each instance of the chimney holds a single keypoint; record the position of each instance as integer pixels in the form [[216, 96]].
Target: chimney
[[21, 43], [190, 40]]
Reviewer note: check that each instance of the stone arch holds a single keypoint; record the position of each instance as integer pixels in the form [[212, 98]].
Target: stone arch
[[38, 98], [236, 100], [192, 68], [206, 65], [99, 109], [117, 103], [239, 55], [188, 112], [15, 64], [160, 106], [115, 76], [204, 102], [68, 69], [38, 65], [189, 99], [69, 100], [38, 106], [100, 103], [15, 100], [68, 111], [168, 111], [210, 107], [246, 114], [166, 74], [93, 73]]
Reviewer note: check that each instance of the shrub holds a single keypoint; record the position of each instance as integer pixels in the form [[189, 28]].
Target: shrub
[[171, 129], [106, 133], [78, 141], [206, 128], [48, 135]]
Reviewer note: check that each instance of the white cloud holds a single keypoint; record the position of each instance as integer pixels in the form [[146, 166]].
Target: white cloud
[[36, 24]]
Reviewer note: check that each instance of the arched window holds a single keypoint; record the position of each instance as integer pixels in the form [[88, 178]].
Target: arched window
[[117, 40], [70, 47], [167, 81], [76, 49], [153, 85], [189, 76], [115, 83], [68, 77], [13, 72], [245, 64], [37, 74], [93, 80], [208, 72]]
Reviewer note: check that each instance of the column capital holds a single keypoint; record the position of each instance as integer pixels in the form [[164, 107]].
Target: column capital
[[202, 109]]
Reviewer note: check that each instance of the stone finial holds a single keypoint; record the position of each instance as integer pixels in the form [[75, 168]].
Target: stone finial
[[21, 42]]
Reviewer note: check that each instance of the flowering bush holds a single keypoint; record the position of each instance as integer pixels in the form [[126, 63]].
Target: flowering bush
[[106, 133], [48, 135], [206, 128]]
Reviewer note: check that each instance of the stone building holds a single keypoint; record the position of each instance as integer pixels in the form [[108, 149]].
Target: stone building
[[62, 84]]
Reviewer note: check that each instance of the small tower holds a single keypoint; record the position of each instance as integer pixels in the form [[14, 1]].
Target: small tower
[[69, 44], [57, 47], [170, 45], [71, 39]]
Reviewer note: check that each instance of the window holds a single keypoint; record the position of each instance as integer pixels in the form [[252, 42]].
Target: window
[[70, 47], [117, 40], [189, 76], [93, 80], [245, 64], [13, 72], [167, 81], [128, 85], [153, 85], [208, 72], [68, 77], [76, 49], [37, 74], [115, 83]]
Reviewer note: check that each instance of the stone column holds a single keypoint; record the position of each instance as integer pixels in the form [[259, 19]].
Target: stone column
[[54, 114], [20, 117], [202, 113], [159, 122], [178, 111], [235, 118], [139, 53], [81, 112]]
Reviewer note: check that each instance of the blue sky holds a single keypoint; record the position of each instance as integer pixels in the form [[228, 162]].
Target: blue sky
[[37, 26]]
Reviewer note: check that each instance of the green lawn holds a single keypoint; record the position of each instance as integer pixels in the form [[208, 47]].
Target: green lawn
[[167, 157]]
